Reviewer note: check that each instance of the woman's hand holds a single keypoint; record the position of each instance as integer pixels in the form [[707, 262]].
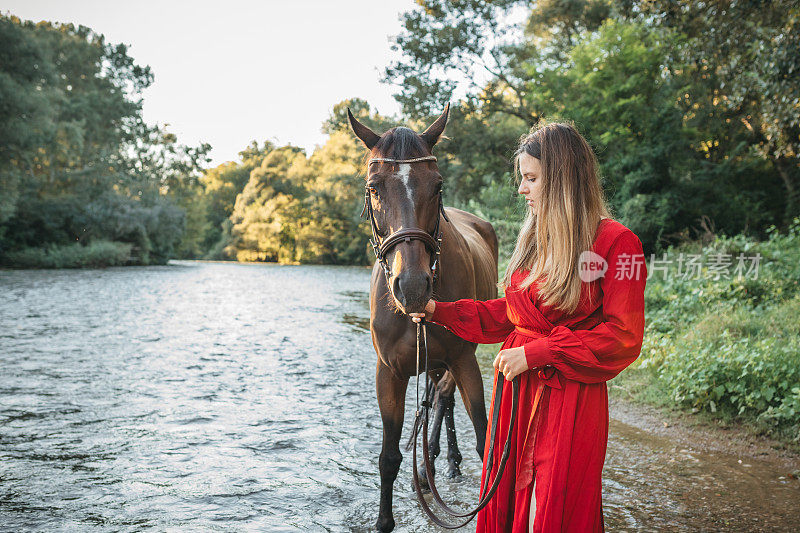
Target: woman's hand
[[429, 309], [511, 362]]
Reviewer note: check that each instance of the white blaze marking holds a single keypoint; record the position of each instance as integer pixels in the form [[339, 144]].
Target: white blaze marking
[[405, 170]]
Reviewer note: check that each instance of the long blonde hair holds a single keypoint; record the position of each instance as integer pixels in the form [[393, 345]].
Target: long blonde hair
[[568, 214]]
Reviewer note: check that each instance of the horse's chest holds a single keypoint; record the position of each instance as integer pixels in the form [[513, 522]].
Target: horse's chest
[[398, 350], [400, 341]]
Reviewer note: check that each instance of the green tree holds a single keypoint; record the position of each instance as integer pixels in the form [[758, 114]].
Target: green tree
[[744, 63], [335, 197], [27, 113], [298, 209], [220, 187], [71, 124], [262, 227]]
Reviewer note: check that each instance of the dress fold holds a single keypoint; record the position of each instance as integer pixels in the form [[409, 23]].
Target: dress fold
[[562, 443]]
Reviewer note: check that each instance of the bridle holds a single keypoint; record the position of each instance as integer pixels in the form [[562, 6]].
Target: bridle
[[382, 247]]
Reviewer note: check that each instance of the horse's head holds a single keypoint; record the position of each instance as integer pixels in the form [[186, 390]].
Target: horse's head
[[403, 201]]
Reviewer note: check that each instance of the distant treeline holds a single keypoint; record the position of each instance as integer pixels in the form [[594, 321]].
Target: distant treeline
[[83, 179], [277, 204], [693, 109]]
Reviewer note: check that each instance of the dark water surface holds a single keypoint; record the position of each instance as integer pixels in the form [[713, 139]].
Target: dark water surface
[[225, 397]]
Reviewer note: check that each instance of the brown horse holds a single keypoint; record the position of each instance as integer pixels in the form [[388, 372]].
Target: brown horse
[[403, 197]]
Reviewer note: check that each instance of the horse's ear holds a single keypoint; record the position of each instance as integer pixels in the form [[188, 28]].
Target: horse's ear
[[367, 136], [432, 134]]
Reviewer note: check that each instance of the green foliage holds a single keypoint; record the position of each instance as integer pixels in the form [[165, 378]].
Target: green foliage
[[220, 187], [615, 91], [692, 108], [295, 209], [731, 346], [743, 60], [77, 162], [740, 373], [477, 154], [671, 297], [25, 116], [95, 255], [499, 203]]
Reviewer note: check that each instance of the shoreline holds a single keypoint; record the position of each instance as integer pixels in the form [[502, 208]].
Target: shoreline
[[704, 435], [683, 473]]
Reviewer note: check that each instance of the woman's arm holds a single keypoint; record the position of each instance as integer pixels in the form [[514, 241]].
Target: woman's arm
[[600, 353], [483, 322]]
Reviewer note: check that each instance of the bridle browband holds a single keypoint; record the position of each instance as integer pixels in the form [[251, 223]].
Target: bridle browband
[[382, 247]]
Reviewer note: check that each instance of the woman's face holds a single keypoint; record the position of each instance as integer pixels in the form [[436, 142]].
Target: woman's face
[[531, 185]]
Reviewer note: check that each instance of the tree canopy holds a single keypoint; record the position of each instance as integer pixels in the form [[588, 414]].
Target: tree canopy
[[691, 107], [77, 161]]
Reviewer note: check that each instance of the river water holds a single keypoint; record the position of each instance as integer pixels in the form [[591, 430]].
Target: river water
[[230, 397]]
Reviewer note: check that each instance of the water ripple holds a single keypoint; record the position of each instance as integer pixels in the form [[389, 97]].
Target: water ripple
[[221, 397]]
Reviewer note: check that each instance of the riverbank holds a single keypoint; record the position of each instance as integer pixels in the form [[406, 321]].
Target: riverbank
[[696, 473], [97, 254], [638, 391], [702, 433]]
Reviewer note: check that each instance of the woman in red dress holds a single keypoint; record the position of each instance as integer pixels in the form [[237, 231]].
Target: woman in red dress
[[572, 318]]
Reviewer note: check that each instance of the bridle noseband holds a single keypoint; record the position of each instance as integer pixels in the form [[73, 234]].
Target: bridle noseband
[[382, 248]]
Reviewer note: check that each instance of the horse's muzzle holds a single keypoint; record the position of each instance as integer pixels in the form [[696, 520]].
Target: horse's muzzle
[[412, 290]]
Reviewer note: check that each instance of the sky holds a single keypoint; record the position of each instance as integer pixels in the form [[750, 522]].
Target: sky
[[230, 72]]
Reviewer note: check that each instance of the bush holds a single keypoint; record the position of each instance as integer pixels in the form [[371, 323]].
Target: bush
[[95, 255], [731, 346], [740, 365]]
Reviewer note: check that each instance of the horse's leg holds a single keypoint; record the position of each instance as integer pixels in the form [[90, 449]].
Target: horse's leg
[[447, 390], [467, 374], [436, 431], [391, 401], [453, 453]]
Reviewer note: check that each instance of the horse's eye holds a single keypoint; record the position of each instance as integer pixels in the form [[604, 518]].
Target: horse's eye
[[438, 189], [372, 190]]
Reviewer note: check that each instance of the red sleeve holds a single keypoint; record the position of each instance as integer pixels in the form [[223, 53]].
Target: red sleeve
[[483, 322], [598, 354]]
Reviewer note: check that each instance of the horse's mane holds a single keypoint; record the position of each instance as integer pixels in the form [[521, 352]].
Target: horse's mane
[[399, 143], [484, 262]]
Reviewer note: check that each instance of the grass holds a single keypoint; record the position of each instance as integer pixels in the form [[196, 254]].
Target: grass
[[94, 255]]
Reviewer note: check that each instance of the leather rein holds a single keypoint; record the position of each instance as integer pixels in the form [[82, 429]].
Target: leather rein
[[486, 491], [381, 248], [434, 245]]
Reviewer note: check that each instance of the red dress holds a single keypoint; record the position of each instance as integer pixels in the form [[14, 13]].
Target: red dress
[[564, 445]]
